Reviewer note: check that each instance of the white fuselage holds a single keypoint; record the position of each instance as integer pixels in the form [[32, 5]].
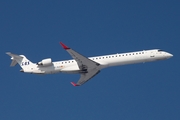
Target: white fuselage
[[70, 66]]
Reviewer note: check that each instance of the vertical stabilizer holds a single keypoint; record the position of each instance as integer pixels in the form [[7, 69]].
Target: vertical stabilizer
[[20, 59]]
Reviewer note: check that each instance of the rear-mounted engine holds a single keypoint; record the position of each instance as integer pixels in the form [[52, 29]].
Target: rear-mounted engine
[[45, 62]]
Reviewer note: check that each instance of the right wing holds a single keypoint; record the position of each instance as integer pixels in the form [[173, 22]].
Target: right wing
[[88, 68], [82, 61]]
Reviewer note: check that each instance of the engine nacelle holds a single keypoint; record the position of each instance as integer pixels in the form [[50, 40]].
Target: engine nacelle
[[45, 62]]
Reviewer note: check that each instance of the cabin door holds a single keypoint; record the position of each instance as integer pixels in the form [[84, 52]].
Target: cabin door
[[152, 54]]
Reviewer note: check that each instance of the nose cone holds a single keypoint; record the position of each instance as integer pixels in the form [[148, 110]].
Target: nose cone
[[169, 55]]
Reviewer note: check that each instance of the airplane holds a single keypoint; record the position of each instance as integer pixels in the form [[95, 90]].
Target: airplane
[[87, 67]]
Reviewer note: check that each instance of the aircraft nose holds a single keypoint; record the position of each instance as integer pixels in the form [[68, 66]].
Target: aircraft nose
[[169, 55]]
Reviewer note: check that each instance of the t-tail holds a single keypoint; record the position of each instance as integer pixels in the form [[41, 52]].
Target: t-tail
[[25, 64]]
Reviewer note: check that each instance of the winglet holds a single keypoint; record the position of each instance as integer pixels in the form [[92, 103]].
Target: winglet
[[74, 84], [64, 46]]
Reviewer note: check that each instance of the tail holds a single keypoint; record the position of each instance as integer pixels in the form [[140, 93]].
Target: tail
[[20, 59]]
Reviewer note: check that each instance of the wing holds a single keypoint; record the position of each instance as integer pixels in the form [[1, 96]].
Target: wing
[[88, 68], [85, 77], [83, 62]]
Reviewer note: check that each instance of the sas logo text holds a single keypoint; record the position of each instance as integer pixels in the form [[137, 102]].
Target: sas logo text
[[25, 63]]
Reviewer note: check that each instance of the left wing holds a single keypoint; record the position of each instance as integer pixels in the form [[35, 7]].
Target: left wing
[[88, 68], [85, 77]]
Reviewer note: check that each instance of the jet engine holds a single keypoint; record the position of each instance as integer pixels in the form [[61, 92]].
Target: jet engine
[[45, 62]]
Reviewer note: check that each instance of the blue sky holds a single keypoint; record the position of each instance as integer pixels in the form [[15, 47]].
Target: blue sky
[[140, 91]]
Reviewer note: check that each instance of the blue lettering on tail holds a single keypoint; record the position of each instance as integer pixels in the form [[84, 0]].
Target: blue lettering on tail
[[25, 63]]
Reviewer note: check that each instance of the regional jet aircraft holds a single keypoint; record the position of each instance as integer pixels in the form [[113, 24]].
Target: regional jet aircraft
[[87, 67]]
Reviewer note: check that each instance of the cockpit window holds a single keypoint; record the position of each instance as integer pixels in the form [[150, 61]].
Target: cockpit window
[[160, 50]]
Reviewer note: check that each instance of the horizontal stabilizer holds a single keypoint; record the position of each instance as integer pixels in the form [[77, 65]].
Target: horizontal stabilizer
[[14, 56], [13, 63]]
